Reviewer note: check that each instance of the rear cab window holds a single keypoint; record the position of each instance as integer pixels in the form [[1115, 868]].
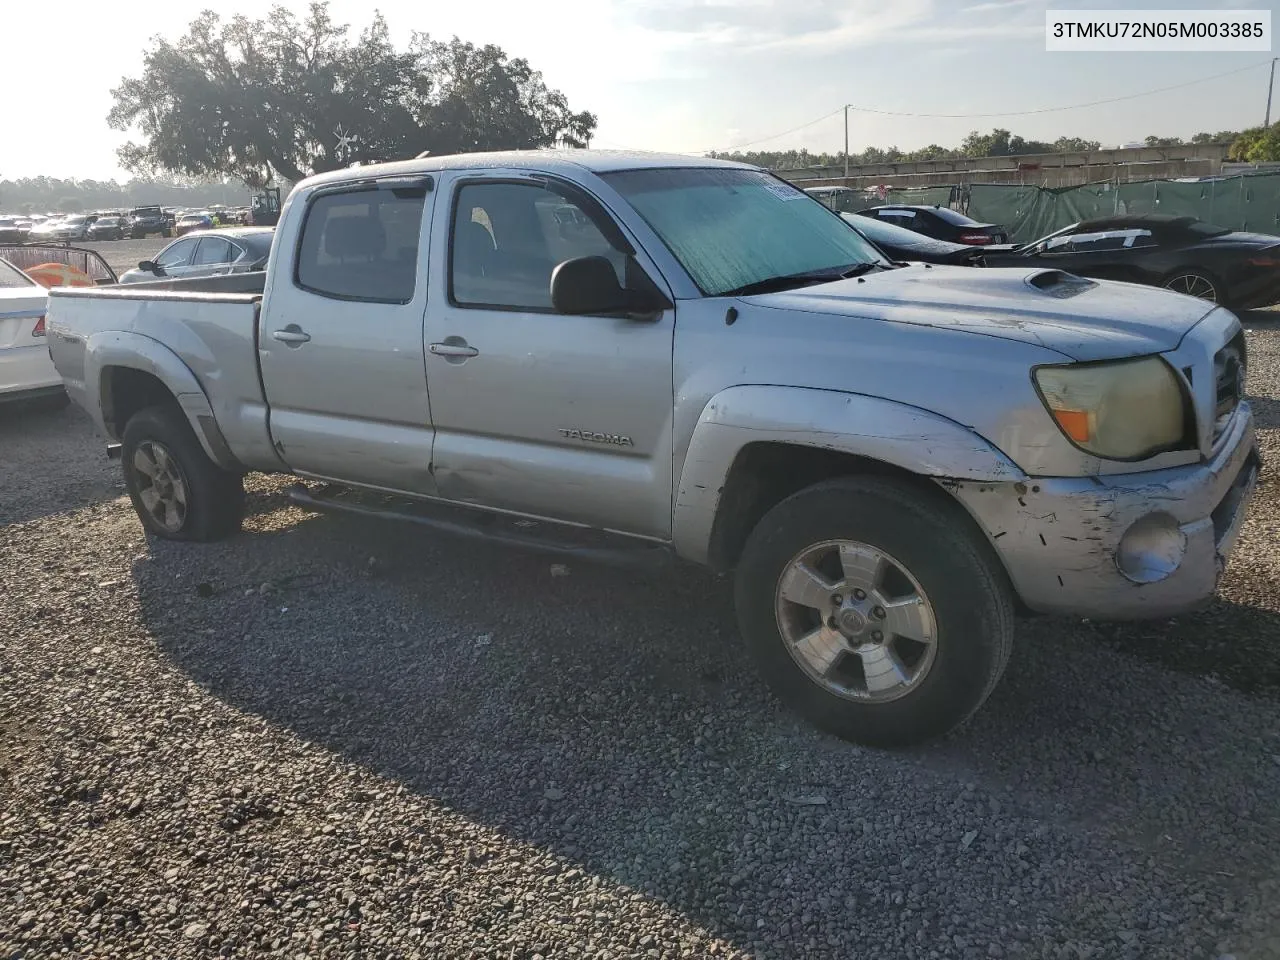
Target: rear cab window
[[361, 243]]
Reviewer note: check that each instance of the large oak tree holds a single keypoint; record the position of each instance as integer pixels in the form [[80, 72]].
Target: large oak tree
[[284, 97]]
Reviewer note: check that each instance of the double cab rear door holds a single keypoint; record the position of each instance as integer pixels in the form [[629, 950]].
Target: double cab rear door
[[411, 346]]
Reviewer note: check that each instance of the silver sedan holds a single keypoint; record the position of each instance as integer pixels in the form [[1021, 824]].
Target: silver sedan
[[207, 253]]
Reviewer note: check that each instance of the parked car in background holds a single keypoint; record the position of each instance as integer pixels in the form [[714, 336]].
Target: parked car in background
[[902, 244], [193, 221], [72, 228], [26, 371], [32, 259], [941, 223], [109, 228], [1231, 267], [209, 253], [11, 231], [887, 458], [44, 230], [148, 221]]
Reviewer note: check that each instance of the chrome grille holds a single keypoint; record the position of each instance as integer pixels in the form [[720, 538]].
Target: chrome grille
[[1229, 367]]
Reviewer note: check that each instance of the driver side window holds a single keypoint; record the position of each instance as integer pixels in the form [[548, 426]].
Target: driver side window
[[506, 240]]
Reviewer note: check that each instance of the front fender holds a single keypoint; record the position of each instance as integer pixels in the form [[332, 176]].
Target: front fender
[[115, 348], [894, 433]]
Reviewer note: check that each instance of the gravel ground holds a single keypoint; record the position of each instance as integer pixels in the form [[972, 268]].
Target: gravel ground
[[328, 737]]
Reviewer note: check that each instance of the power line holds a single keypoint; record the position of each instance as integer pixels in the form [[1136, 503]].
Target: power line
[[975, 116], [1074, 106]]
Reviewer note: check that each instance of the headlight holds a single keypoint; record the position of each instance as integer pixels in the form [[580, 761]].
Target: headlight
[[1122, 410]]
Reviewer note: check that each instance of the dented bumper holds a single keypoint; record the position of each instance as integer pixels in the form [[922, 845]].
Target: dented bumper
[[1122, 547]]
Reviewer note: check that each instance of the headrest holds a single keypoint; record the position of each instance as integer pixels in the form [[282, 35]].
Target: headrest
[[355, 237], [476, 239]]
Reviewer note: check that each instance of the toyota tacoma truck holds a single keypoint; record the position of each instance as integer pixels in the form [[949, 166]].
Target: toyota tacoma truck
[[629, 354]]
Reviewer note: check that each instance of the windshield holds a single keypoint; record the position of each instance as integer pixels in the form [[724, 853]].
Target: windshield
[[1201, 228], [880, 231], [732, 229], [952, 217]]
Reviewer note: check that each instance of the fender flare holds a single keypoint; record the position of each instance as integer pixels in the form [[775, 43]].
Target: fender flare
[[115, 348], [898, 434]]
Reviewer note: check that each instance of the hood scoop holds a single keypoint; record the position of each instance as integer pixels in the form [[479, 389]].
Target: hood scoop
[[1059, 283]]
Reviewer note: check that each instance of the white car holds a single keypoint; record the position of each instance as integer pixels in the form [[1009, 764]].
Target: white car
[[25, 368]]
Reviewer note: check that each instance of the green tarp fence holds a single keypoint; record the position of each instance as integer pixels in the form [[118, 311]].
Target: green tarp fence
[[920, 196], [1029, 212], [854, 201]]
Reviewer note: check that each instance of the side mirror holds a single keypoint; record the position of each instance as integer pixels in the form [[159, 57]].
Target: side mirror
[[589, 286], [150, 266]]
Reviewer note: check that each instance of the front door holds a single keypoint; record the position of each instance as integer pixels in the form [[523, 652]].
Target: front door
[[537, 412], [341, 339]]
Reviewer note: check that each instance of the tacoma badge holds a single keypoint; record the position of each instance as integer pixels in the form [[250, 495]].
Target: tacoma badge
[[595, 437]]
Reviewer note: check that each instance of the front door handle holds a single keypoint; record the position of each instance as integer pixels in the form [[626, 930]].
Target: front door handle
[[453, 347], [292, 335]]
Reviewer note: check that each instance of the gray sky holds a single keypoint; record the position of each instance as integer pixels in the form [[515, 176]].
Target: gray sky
[[687, 75]]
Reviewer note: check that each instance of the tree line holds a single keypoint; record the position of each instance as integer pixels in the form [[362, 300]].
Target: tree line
[[52, 195], [282, 97], [1255, 145]]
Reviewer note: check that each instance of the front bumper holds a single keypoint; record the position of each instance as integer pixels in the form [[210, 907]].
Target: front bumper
[[1070, 545]]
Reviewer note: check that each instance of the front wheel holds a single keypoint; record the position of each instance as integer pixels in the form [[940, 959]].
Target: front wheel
[[873, 611], [177, 491], [1196, 283]]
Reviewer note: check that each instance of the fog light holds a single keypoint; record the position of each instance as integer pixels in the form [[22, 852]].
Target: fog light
[[1151, 549]]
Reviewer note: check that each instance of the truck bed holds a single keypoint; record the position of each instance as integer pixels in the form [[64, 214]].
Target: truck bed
[[236, 285], [176, 330]]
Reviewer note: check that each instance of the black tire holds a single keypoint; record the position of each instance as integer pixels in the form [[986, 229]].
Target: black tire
[[932, 540], [167, 234], [214, 498], [1188, 281]]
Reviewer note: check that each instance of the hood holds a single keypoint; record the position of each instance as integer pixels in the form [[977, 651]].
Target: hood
[[1081, 319]]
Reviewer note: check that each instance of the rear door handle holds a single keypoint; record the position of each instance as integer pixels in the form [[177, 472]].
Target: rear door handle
[[292, 334], [454, 347]]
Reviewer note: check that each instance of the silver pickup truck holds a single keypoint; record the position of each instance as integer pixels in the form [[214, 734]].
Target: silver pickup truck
[[630, 354]]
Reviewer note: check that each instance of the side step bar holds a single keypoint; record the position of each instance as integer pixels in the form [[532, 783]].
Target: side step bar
[[487, 528]]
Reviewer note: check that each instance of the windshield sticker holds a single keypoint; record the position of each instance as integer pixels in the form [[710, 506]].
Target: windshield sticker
[[783, 190]]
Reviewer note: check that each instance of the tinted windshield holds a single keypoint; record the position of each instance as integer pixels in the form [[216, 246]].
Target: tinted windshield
[[1199, 229], [950, 216], [881, 231], [733, 228]]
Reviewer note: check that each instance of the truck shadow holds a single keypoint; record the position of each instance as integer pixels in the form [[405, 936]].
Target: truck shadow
[[51, 461], [612, 721]]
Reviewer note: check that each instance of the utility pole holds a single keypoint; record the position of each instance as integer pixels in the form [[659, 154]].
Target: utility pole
[[846, 126], [1270, 83]]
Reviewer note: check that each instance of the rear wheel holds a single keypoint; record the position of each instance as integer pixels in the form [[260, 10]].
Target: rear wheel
[[178, 492], [873, 611], [1196, 283]]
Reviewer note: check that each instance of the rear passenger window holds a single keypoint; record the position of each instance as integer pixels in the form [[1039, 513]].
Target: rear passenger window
[[362, 245]]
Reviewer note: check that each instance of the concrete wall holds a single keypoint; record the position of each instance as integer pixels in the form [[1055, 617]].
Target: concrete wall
[[1047, 170]]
